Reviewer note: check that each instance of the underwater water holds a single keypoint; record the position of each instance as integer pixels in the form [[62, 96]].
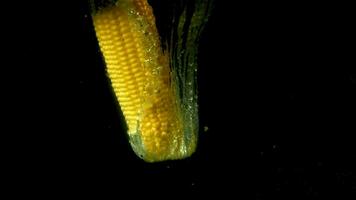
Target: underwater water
[[275, 105], [262, 99]]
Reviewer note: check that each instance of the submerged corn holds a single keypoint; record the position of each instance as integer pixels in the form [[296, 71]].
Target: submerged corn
[[142, 81]]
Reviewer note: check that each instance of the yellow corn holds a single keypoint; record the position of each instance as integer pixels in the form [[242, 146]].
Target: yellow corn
[[140, 76]]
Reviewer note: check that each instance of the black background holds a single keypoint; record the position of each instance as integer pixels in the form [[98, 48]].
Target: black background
[[276, 90]]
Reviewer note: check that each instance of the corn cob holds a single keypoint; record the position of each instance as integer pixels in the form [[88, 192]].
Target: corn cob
[[142, 81]]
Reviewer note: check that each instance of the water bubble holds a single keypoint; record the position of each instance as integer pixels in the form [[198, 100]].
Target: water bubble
[[206, 128]]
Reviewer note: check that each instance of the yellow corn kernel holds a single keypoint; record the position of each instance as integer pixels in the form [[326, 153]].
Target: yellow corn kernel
[[140, 75]]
